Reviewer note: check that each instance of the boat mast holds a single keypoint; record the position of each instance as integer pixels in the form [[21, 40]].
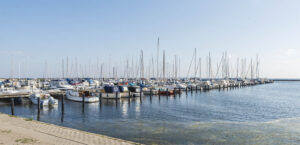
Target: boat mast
[[195, 68], [257, 67], [237, 68], [141, 65], [62, 65], [67, 68], [200, 69], [164, 66], [11, 67]]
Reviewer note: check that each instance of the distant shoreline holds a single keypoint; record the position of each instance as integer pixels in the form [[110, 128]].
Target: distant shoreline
[[285, 79]]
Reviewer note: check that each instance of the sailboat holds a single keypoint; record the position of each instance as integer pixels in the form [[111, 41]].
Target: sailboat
[[89, 96]]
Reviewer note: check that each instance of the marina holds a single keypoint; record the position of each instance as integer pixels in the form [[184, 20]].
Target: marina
[[135, 116], [136, 109], [149, 72]]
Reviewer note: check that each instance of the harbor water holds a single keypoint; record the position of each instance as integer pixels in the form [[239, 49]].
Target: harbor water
[[262, 114]]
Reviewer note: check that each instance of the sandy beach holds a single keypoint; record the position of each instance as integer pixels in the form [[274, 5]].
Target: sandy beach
[[17, 130]]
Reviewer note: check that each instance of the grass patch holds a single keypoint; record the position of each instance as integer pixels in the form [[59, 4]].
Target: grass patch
[[11, 115], [5, 131], [28, 119], [26, 140]]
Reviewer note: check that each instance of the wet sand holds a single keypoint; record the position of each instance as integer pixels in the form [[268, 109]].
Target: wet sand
[[17, 130]]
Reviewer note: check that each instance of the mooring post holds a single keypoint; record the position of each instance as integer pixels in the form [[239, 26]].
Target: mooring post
[[150, 95], [174, 92], [12, 106], [83, 100], [63, 104], [116, 97], [128, 96], [186, 91], [179, 91], [39, 107], [158, 93], [167, 91], [100, 97], [141, 93], [128, 93]]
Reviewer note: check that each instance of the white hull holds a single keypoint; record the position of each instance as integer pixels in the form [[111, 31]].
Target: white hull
[[111, 95], [43, 102], [75, 97], [154, 92]]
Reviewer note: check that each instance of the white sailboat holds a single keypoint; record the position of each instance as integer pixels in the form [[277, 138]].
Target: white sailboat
[[77, 96]]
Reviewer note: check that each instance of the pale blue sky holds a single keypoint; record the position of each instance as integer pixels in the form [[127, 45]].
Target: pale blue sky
[[39, 31]]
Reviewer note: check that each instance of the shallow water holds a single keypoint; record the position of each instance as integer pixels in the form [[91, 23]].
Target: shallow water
[[263, 114]]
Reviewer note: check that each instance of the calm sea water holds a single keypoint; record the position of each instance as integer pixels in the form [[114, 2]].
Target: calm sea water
[[263, 114]]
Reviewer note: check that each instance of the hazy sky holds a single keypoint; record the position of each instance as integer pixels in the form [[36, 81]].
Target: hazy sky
[[35, 31]]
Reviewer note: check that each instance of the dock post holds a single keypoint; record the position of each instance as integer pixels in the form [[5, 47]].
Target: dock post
[[158, 93], [100, 97], [174, 92], [62, 108], [63, 104], [12, 106], [116, 97], [128, 96], [100, 101], [150, 94], [141, 93], [179, 92], [186, 90], [167, 91], [39, 107], [83, 100]]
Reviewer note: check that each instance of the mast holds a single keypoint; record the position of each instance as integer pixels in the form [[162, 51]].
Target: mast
[[237, 68], [195, 68], [67, 69], [210, 68], [157, 66], [19, 71], [200, 69], [101, 72], [257, 67], [164, 66], [11, 67], [251, 67], [46, 69], [62, 65], [141, 65], [76, 68]]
